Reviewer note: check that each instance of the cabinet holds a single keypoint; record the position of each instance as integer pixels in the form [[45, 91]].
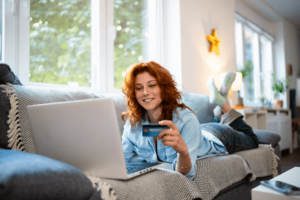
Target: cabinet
[[279, 121], [275, 120], [255, 118]]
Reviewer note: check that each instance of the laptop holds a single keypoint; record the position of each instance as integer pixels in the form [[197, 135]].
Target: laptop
[[84, 134]]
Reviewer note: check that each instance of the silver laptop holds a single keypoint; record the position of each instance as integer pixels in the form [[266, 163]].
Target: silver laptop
[[84, 134]]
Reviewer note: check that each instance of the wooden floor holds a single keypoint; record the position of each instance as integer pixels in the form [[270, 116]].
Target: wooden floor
[[290, 160]]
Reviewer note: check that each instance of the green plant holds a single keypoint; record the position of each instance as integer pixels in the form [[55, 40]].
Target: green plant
[[247, 75], [247, 69], [262, 97], [280, 86]]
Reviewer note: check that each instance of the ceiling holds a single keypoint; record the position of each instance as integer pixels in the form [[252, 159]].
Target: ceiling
[[289, 9]]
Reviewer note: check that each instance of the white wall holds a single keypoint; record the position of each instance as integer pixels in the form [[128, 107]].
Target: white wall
[[291, 50], [286, 46], [291, 53], [298, 79], [186, 47], [198, 18], [254, 17]]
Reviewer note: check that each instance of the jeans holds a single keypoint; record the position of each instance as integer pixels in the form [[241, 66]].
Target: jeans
[[237, 136]]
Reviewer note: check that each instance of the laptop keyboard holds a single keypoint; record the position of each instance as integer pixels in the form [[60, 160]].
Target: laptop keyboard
[[135, 167], [131, 170]]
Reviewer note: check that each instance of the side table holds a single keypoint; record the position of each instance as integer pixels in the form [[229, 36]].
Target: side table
[[291, 176]]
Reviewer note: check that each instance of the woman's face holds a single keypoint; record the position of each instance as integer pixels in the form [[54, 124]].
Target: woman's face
[[147, 92]]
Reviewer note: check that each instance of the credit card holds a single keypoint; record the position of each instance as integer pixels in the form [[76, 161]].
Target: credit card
[[152, 130]]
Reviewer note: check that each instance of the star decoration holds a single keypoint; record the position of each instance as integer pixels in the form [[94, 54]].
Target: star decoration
[[214, 42]]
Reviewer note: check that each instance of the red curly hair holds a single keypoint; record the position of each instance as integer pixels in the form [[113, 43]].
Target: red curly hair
[[168, 92]]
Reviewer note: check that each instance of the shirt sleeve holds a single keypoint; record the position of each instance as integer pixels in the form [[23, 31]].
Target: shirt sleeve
[[127, 144], [190, 133]]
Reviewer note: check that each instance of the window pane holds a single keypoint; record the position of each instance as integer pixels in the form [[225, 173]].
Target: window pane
[[60, 42], [1, 18], [131, 43], [252, 58], [239, 45], [267, 67]]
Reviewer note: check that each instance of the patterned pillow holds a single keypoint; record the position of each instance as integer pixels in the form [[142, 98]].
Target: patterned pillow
[[4, 110]]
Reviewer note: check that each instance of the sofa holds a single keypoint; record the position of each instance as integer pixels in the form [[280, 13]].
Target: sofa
[[25, 174]]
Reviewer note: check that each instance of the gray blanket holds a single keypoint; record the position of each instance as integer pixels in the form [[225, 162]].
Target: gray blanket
[[213, 174]]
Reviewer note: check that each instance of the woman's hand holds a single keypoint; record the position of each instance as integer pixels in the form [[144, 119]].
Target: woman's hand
[[171, 137]]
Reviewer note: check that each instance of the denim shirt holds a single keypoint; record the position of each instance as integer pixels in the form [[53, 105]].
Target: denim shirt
[[137, 148]]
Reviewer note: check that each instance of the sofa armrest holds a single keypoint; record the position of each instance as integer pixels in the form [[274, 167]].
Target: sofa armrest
[[267, 137]]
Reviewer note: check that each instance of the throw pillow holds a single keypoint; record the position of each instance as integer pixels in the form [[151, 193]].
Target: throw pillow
[[4, 111], [30, 176], [7, 75]]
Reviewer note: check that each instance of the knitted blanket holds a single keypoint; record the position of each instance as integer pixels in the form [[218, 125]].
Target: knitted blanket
[[213, 174]]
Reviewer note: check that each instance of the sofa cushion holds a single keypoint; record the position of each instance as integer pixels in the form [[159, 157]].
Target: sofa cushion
[[267, 137], [30, 176], [200, 104]]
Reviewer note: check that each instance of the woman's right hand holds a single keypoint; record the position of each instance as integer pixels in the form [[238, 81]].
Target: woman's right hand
[[172, 137]]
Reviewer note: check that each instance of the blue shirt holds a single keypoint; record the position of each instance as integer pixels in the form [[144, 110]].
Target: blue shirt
[[200, 144]]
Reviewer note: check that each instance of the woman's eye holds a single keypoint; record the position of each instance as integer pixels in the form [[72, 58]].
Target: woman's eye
[[152, 85], [138, 88]]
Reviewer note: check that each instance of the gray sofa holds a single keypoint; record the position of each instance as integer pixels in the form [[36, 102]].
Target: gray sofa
[[223, 177]]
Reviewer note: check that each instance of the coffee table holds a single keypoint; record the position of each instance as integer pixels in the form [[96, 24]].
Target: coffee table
[[291, 176]]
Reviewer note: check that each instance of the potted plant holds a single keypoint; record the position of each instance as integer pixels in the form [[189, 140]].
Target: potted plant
[[279, 87], [262, 99]]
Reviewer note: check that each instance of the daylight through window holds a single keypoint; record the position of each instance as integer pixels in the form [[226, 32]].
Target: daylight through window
[[254, 58]]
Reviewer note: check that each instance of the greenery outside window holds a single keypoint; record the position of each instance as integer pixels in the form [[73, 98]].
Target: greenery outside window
[[132, 39], [78, 43], [60, 42]]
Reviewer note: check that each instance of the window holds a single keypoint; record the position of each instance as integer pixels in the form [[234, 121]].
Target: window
[[254, 58], [60, 42], [131, 43], [77, 43]]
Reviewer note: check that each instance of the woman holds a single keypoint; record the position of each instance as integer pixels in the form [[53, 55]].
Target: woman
[[152, 97]]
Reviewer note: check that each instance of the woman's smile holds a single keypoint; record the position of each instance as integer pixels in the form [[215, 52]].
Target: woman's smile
[[148, 100]]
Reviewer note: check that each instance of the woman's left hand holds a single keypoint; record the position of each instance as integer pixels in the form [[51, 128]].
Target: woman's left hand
[[171, 137]]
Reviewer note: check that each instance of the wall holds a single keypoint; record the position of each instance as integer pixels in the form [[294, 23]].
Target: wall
[[254, 17], [291, 53], [298, 79], [285, 45], [188, 22], [198, 18]]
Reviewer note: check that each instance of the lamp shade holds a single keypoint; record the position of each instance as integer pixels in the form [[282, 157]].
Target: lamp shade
[[238, 82]]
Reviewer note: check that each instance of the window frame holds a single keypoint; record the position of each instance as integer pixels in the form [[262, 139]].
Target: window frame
[[261, 32], [16, 44]]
